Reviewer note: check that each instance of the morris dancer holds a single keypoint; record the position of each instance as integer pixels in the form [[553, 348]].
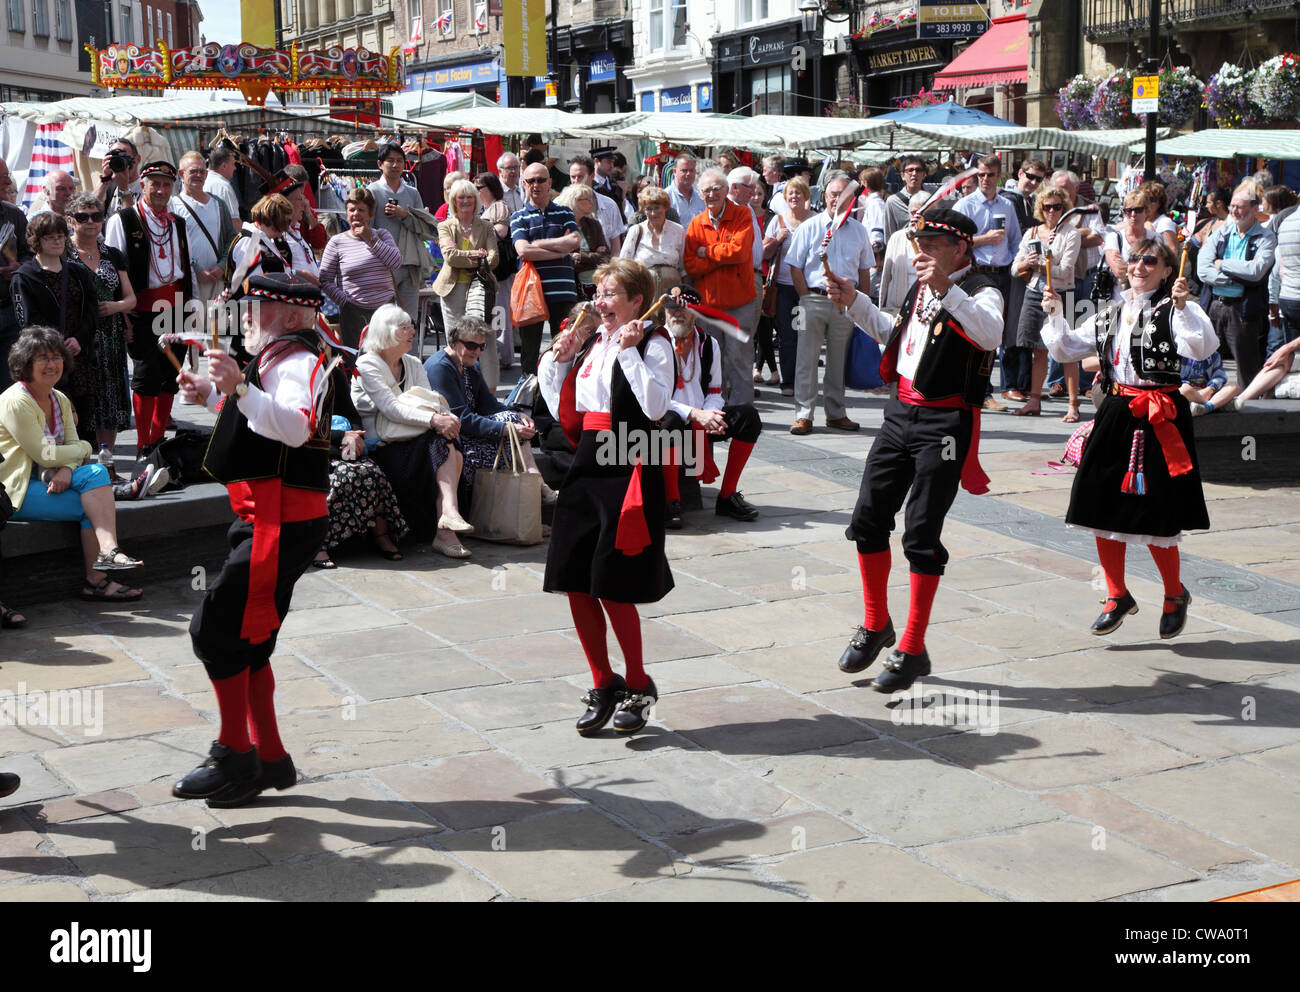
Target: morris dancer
[[270, 447], [1119, 494], [940, 351], [158, 262], [697, 406], [607, 538]]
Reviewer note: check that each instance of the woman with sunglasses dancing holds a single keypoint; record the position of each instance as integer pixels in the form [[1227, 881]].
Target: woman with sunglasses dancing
[[1139, 482]]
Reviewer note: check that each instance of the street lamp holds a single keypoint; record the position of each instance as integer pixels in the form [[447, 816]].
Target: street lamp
[[809, 10]]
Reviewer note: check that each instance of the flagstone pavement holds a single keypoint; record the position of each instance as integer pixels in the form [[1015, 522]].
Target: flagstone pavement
[[429, 706]]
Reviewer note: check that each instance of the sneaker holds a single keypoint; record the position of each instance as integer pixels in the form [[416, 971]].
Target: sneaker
[[158, 480], [133, 489], [1198, 409], [1239, 403]]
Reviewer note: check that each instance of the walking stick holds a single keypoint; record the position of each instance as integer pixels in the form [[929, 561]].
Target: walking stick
[[1047, 259], [1182, 261]]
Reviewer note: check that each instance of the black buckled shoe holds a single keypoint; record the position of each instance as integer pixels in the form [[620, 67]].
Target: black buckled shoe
[[901, 670], [736, 507], [634, 709], [865, 646], [1173, 621], [9, 783], [600, 706], [279, 775], [673, 514], [223, 768], [1109, 620]]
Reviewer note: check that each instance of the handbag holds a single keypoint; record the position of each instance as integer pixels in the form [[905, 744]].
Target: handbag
[[862, 362], [527, 301], [1078, 441], [421, 404], [507, 504], [524, 395], [507, 259]]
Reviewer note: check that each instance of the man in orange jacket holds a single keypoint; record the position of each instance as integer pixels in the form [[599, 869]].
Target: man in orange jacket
[[719, 256]]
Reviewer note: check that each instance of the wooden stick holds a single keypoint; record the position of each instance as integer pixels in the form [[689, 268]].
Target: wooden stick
[[166, 349], [826, 269], [1182, 262], [659, 305], [1047, 258]]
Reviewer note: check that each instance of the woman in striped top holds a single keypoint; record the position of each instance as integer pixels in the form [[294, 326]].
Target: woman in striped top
[[356, 270]]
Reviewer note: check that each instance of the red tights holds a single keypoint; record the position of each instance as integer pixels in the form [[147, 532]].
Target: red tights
[[1111, 555], [589, 619], [151, 416]]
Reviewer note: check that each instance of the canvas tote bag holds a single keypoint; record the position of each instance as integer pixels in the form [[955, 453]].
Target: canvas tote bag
[[507, 505]]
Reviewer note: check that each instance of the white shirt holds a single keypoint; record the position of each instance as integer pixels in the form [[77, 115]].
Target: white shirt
[[651, 380], [279, 409], [782, 271], [246, 248], [611, 221], [514, 199], [758, 236], [980, 317], [849, 252], [202, 253], [777, 204], [897, 271], [640, 245], [303, 257], [690, 394], [218, 185], [872, 215], [1194, 336], [161, 268]]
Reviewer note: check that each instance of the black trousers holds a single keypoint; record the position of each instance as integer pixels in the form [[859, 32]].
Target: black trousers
[[920, 449], [214, 631], [151, 373], [1244, 335], [743, 423], [530, 337]]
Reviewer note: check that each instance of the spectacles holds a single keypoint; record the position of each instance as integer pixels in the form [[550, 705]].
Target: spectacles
[[473, 345], [537, 182], [94, 218], [1134, 211], [1150, 261], [914, 168], [608, 296], [712, 191], [48, 360], [988, 175]]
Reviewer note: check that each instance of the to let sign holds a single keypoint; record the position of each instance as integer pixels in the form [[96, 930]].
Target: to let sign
[[1146, 94], [951, 20]]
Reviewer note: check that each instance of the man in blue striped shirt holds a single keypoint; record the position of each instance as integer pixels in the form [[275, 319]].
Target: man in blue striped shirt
[[546, 235]]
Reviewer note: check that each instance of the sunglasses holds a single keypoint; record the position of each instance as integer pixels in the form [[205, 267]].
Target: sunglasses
[[1134, 211], [1053, 206], [1035, 177], [94, 218], [473, 345], [1150, 261]]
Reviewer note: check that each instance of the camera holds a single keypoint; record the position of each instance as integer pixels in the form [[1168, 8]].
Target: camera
[[118, 161]]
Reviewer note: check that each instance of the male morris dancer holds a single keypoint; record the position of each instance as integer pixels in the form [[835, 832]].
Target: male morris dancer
[[697, 406], [270, 447], [940, 351]]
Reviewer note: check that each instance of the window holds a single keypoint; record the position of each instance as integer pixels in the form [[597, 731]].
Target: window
[[170, 43], [126, 35], [667, 24], [63, 20], [17, 22], [771, 91], [753, 10], [40, 19]]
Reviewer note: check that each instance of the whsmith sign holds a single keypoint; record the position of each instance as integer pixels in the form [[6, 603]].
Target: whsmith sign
[[951, 20]]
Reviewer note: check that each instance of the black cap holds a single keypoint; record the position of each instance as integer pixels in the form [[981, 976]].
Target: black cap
[[794, 166], [681, 295], [606, 152], [282, 184], [280, 287], [943, 221], [159, 170]]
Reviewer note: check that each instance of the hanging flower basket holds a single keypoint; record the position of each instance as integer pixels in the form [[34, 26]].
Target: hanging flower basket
[[922, 98], [844, 109], [1072, 103], [1276, 87], [1111, 105], [1228, 98], [876, 21], [1181, 95]]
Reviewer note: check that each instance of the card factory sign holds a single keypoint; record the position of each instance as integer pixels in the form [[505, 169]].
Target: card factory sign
[[914, 56]]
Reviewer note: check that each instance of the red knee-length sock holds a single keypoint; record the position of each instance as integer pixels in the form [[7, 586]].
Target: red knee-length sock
[[671, 488], [737, 455], [875, 585], [162, 411], [143, 419], [918, 612], [261, 715], [626, 622], [1111, 555], [232, 702], [1169, 563], [589, 619]]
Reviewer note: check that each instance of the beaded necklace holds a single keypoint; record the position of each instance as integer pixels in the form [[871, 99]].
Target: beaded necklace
[[161, 242]]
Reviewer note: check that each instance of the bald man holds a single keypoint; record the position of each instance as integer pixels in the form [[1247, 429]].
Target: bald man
[[59, 187]]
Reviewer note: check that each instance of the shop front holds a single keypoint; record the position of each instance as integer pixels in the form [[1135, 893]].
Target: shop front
[[773, 70], [479, 76], [894, 65], [593, 60]]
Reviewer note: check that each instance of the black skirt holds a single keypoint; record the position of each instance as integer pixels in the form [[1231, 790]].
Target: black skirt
[[1170, 506], [582, 557], [411, 467]]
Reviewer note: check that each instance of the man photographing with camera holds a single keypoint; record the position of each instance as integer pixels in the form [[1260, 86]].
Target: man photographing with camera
[[119, 179]]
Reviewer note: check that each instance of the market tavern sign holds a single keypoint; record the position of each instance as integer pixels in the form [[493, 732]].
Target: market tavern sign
[[914, 56]]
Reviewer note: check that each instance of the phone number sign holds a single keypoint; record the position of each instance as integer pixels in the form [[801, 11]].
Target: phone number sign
[[951, 20]]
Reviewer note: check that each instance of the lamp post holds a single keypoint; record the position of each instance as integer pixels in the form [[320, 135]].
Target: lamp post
[[1151, 67], [810, 13]]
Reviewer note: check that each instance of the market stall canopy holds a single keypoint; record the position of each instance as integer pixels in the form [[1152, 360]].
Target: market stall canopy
[[412, 103], [948, 112], [1116, 145], [510, 120], [999, 56], [768, 132], [933, 137], [1229, 143]]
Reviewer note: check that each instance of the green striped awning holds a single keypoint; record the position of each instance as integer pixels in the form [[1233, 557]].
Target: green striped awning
[[775, 133], [1117, 145], [1231, 142]]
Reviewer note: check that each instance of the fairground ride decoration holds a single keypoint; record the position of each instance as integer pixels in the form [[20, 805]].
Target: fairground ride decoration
[[252, 70]]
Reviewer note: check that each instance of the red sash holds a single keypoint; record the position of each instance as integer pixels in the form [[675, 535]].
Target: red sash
[[1156, 406], [146, 298], [973, 478], [633, 534], [268, 503]]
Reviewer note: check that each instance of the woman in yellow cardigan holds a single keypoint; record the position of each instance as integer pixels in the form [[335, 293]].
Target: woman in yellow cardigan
[[43, 469]]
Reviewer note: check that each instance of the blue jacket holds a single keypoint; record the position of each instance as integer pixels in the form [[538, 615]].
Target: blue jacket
[[445, 378]]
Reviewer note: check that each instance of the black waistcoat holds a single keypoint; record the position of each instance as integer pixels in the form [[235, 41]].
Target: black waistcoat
[[1151, 345], [139, 250], [270, 260], [950, 365], [625, 408], [237, 454]]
